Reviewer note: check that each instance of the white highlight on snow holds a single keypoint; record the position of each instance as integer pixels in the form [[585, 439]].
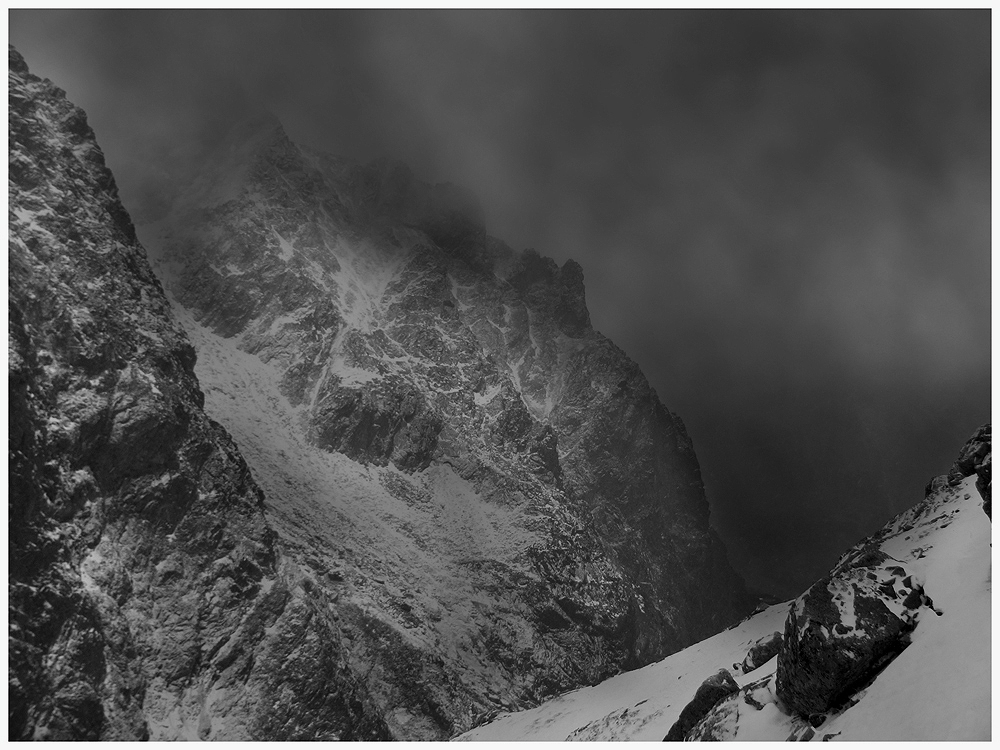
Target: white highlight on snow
[[491, 393], [366, 270], [281, 321], [844, 597], [287, 250]]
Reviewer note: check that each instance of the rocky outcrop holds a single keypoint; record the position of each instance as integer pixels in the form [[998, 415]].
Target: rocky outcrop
[[385, 420], [976, 458], [147, 596], [865, 654], [710, 693], [386, 326], [839, 634], [761, 652]]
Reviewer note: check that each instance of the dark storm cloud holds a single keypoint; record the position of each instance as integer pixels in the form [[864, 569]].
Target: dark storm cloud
[[784, 217]]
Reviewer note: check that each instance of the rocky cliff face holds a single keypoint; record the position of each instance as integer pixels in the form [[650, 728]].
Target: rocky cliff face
[[147, 598], [397, 355], [451, 495]]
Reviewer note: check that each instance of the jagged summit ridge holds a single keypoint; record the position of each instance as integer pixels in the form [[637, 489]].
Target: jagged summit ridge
[[402, 336], [404, 487], [368, 193]]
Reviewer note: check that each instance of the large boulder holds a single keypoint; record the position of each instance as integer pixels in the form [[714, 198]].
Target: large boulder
[[382, 420], [716, 688], [842, 631], [761, 652]]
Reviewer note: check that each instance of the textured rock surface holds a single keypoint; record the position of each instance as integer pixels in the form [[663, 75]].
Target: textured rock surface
[[761, 652], [403, 359], [471, 500], [147, 597], [849, 625], [836, 637], [713, 690], [976, 458]]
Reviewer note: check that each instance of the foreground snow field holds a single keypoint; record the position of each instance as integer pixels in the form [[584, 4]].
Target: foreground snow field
[[936, 689]]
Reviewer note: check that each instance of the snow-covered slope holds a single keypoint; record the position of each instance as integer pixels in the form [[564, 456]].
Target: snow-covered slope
[[639, 705], [931, 565]]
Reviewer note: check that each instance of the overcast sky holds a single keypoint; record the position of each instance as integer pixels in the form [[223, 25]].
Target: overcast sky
[[783, 217]]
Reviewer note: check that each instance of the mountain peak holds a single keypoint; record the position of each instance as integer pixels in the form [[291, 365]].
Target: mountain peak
[[15, 62], [223, 173], [460, 498], [260, 121]]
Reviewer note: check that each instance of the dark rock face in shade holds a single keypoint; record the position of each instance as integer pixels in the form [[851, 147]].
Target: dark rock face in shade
[[147, 597], [976, 458], [826, 654], [451, 495], [713, 690], [761, 652]]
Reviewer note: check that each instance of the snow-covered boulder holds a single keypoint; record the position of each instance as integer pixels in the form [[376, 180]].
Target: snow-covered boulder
[[761, 652], [713, 690], [838, 634]]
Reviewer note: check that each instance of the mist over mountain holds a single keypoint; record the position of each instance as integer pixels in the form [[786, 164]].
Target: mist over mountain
[[783, 217], [529, 469], [397, 485], [302, 448]]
